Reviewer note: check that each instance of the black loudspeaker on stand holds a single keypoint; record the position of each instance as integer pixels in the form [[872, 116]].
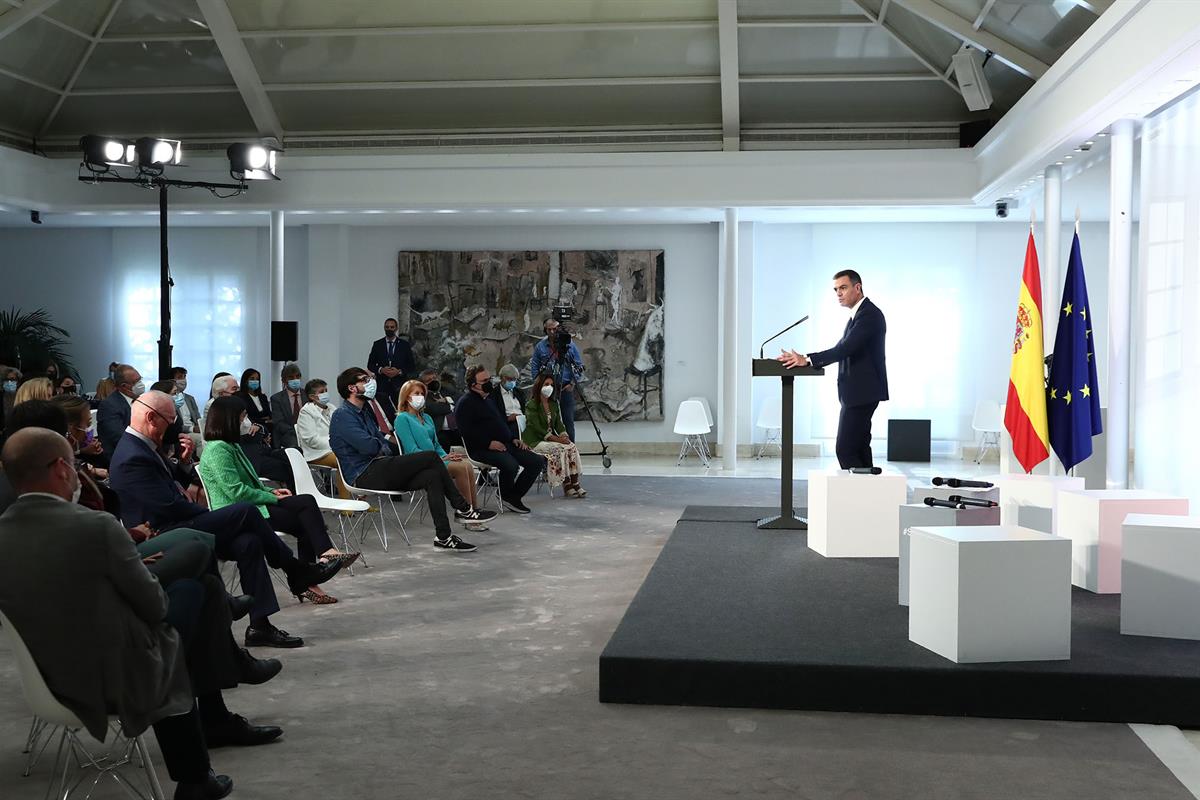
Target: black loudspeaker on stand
[[285, 338]]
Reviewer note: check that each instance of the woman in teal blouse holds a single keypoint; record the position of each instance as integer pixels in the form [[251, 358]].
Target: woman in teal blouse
[[546, 434], [416, 432]]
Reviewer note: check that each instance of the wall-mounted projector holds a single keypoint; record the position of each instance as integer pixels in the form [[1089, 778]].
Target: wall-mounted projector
[[968, 72]]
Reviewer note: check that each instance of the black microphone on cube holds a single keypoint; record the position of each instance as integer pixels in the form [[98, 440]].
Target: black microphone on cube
[[971, 501], [781, 333], [933, 502], [962, 483], [865, 470]]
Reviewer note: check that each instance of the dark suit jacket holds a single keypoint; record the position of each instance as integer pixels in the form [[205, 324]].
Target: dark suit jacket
[[497, 398], [147, 489], [112, 418], [75, 588], [402, 359], [283, 420], [480, 423], [862, 365]]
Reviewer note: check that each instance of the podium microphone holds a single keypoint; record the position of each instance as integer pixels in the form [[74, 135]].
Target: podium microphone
[[962, 483], [935, 503], [781, 333], [865, 470], [971, 501]]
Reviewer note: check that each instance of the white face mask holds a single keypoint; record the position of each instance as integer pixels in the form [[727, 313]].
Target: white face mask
[[138, 389], [78, 490], [323, 398], [417, 401], [246, 425], [369, 389], [547, 390]]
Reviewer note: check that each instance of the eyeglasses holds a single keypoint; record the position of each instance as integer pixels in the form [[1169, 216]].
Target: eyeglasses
[[155, 411]]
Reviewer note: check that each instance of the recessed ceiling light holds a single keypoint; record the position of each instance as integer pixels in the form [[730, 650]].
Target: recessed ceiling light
[[592, 210], [518, 211], [1090, 142], [447, 211], [483, 211], [1068, 158], [1058, 163], [410, 211], [374, 211], [1101, 134]]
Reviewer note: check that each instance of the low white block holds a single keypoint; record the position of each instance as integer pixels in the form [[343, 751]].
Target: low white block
[[920, 515], [990, 593], [1039, 491], [854, 516], [1092, 519], [1160, 576]]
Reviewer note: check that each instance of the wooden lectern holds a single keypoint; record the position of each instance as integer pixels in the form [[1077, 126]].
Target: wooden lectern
[[770, 368]]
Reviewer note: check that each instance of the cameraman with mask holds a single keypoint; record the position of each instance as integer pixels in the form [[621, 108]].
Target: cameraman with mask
[[558, 355]]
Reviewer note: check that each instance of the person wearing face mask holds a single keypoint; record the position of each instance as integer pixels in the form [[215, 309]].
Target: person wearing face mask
[[190, 410], [391, 361], [488, 440], [108, 384], [367, 458], [312, 429], [439, 405], [509, 400], [546, 434], [112, 418], [258, 405], [285, 406], [417, 433]]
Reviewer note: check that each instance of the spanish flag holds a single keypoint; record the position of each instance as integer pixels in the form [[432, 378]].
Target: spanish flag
[[1025, 416]]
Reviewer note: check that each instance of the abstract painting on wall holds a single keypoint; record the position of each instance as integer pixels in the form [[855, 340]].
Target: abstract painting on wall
[[487, 307]]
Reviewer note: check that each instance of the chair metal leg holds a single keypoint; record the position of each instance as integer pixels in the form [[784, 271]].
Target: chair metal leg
[[396, 513]]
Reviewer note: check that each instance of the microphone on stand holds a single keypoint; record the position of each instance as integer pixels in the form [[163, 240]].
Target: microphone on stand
[[971, 501], [781, 333], [934, 503], [865, 470], [962, 483]]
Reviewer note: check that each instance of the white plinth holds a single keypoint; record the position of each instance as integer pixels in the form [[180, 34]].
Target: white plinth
[[854, 516], [919, 515], [1092, 519], [990, 593], [1160, 576], [1035, 491]]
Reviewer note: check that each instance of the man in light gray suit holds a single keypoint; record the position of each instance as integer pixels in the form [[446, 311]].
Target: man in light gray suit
[[103, 633]]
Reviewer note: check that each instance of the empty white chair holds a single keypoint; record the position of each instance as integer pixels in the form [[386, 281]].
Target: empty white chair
[[988, 422], [770, 419], [107, 763], [692, 423], [709, 417], [382, 494], [303, 478]]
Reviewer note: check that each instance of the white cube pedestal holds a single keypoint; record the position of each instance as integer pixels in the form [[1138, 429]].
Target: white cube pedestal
[[990, 593], [1160, 576], [1032, 492], [1092, 519], [915, 515], [854, 516]]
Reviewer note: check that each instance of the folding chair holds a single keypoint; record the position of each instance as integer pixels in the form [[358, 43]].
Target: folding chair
[[380, 495], [303, 478]]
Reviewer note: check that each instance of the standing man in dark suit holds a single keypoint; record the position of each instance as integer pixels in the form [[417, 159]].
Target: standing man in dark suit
[[862, 369], [391, 361], [286, 405], [113, 415]]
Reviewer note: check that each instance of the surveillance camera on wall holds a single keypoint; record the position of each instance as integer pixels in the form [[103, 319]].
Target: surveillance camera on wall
[[1002, 207]]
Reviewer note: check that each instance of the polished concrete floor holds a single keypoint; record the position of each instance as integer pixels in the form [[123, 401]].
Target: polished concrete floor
[[474, 676]]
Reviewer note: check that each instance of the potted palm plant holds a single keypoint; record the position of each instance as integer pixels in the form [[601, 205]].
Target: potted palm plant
[[30, 341]]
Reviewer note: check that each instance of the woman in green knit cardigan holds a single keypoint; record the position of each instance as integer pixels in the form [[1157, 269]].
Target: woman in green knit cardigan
[[546, 434], [230, 478]]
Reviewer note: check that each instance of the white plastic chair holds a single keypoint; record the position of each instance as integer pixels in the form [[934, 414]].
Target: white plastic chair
[[988, 422], [770, 419], [709, 417], [50, 711], [381, 495], [692, 423], [303, 478]]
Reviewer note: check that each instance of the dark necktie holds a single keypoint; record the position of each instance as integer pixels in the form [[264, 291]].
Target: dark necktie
[[391, 348], [295, 407]]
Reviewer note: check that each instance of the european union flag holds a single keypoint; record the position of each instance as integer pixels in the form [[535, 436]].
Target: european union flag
[[1074, 401]]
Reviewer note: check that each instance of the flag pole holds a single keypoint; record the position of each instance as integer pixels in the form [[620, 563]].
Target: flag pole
[[1076, 220]]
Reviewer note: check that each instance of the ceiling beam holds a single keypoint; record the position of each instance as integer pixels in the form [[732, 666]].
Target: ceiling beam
[[731, 104], [910, 47], [982, 15], [1097, 7], [848, 21], [241, 67], [87, 54], [883, 9], [16, 76], [956, 26], [669, 80], [14, 19], [842, 77]]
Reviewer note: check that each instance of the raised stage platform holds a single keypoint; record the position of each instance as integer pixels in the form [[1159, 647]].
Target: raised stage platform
[[733, 616]]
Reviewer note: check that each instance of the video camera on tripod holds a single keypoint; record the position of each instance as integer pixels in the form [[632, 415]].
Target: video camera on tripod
[[560, 340]]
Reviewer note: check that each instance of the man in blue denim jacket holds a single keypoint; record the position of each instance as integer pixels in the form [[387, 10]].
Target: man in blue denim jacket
[[566, 368]]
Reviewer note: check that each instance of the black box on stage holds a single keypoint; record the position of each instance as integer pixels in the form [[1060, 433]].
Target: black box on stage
[[285, 339], [908, 440]]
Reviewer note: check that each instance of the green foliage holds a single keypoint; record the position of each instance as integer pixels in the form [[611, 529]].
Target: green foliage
[[30, 340]]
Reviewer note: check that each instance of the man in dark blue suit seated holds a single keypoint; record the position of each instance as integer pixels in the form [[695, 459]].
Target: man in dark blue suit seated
[[113, 415], [862, 369], [150, 495]]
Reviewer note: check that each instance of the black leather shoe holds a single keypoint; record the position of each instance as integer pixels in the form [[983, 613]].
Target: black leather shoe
[[240, 606], [211, 788], [254, 671], [271, 637], [236, 731], [305, 575]]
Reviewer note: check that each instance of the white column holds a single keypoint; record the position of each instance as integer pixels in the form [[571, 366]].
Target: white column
[[276, 275], [1051, 269], [1120, 223], [728, 341]]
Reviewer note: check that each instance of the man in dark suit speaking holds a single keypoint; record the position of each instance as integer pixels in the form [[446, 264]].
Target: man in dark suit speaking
[[862, 369]]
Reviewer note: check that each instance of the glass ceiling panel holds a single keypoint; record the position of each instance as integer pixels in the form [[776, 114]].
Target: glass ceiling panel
[[934, 43], [476, 57], [784, 9], [170, 116], [299, 14], [916, 101], [792, 51], [161, 16], [116, 65], [967, 9], [23, 107], [84, 15], [477, 110], [1045, 30], [42, 51]]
